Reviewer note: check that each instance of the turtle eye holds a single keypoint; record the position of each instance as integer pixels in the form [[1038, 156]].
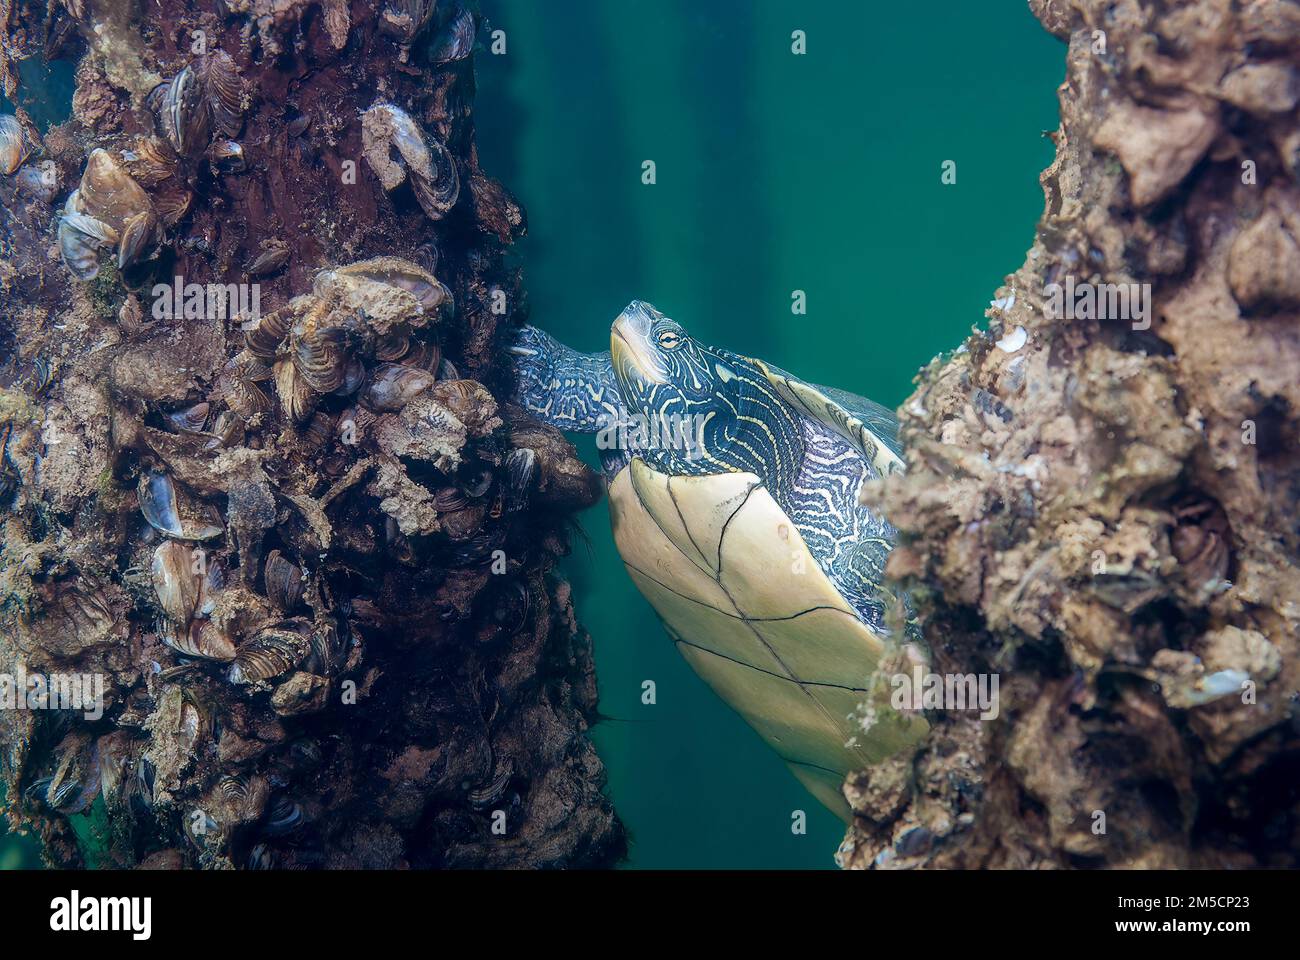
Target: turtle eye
[[669, 340]]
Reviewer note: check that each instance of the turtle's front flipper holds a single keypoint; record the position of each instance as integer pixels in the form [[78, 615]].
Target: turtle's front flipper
[[560, 386]]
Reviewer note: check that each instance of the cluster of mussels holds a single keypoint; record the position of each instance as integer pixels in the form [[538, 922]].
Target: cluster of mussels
[[296, 546], [125, 203]]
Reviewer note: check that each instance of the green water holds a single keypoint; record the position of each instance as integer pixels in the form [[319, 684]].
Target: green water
[[775, 173]]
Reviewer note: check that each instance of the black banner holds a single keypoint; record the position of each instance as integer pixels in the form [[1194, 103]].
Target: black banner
[[918, 911]]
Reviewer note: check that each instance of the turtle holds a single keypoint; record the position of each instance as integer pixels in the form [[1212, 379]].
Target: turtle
[[733, 496]]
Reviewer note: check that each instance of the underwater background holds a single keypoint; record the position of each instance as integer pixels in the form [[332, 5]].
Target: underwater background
[[775, 172]]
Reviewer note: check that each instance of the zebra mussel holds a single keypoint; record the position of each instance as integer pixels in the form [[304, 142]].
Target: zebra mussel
[[16, 144], [109, 211], [386, 130]]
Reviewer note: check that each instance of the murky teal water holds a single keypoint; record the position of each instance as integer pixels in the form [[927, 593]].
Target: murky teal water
[[775, 173]]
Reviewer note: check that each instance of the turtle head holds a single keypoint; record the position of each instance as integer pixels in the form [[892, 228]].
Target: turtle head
[[697, 405], [652, 356]]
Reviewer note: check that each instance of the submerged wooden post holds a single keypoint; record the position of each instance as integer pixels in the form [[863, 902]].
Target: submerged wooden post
[[1100, 502], [308, 554]]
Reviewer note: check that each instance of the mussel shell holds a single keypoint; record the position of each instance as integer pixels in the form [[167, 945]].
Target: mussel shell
[[386, 127], [175, 581], [247, 399], [109, 194], [354, 375], [456, 42], [80, 251], [233, 789], [174, 514], [392, 347], [273, 651], [284, 816], [283, 581], [432, 169], [393, 385], [151, 162], [264, 339], [130, 316], [227, 431], [477, 549], [426, 355], [481, 798], [198, 718], [42, 376], [429, 292], [405, 19], [190, 419], [320, 430], [225, 93], [15, 146], [185, 114], [262, 857], [326, 652], [95, 232], [139, 233], [450, 499], [270, 260], [438, 191], [297, 398], [172, 202], [114, 751], [521, 472], [227, 156], [141, 785], [321, 357], [203, 639], [75, 782], [41, 182], [468, 400]]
